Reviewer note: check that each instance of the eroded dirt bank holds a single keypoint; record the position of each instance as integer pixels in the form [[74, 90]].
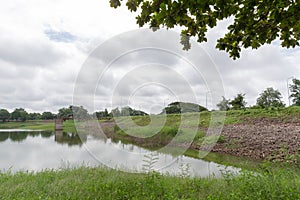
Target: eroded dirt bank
[[256, 139], [261, 139]]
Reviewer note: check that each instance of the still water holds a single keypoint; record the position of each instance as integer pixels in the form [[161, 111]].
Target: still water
[[23, 150]]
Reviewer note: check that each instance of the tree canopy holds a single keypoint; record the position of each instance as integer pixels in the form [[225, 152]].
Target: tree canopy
[[183, 107], [19, 114], [4, 115], [270, 98], [255, 23], [238, 102]]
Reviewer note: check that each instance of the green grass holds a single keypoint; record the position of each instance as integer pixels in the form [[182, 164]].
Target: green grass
[[34, 125], [100, 183], [174, 120], [68, 126]]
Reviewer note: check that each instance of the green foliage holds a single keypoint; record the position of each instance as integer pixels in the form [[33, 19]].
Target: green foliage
[[183, 107], [19, 114], [47, 116], [295, 92], [65, 113], [238, 102], [270, 98], [101, 183], [34, 116], [224, 104], [79, 113], [255, 22], [102, 114], [4, 115]]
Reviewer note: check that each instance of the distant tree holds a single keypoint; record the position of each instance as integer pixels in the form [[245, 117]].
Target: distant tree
[[183, 107], [115, 112], [65, 113], [295, 92], [238, 102], [79, 112], [126, 111], [4, 115], [34, 116], [47, 115], [106, 113], [102, 114], [270, 98], [224, 104], [19, 114]]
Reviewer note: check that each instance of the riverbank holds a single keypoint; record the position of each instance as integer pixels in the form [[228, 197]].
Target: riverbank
[[258, 134], [100, 183]]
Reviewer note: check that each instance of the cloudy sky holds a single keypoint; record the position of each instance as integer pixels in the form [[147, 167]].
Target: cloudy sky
[[47, 49]]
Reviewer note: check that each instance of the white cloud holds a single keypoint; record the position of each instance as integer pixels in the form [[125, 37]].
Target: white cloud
[[43, 45]]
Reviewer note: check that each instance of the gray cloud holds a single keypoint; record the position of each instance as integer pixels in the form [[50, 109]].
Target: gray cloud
[[28, 53], [39, 71]]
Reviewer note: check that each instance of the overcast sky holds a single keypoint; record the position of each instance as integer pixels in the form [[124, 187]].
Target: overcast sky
[[45, 44]]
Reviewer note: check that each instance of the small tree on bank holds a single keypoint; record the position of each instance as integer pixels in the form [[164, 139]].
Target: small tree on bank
[[270, 98], [238, 102], [224, 104], [295, 92]]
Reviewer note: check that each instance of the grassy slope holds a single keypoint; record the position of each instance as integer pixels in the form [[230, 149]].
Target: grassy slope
[[193, 124], [232, 117], [99, 183]]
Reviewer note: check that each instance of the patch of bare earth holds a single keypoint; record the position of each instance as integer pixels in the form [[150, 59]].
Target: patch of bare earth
[[257, 139], [261, 139]]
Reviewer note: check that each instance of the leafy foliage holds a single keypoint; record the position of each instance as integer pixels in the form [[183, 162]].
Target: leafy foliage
[[295, 92], [224, 104], [80, 113], [47, 115], [238, 102], [183, 107], [19, 114], [65, 112], [255, 22], [4, 115], [270, 98]]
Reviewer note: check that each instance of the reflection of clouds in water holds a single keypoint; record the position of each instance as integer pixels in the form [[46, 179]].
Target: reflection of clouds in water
[[40, 152]]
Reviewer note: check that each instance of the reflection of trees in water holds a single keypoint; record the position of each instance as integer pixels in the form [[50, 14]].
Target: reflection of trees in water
[[18, 136], [69, 138], [33, 133], [4, 136], [60, 137], [46, 134]]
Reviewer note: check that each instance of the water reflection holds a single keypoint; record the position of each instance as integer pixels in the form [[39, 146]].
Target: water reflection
[[38, 150], [60, 137], [69, 138]]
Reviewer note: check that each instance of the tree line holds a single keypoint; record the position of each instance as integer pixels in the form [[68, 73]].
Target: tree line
[[79, 112], [270, 97]]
